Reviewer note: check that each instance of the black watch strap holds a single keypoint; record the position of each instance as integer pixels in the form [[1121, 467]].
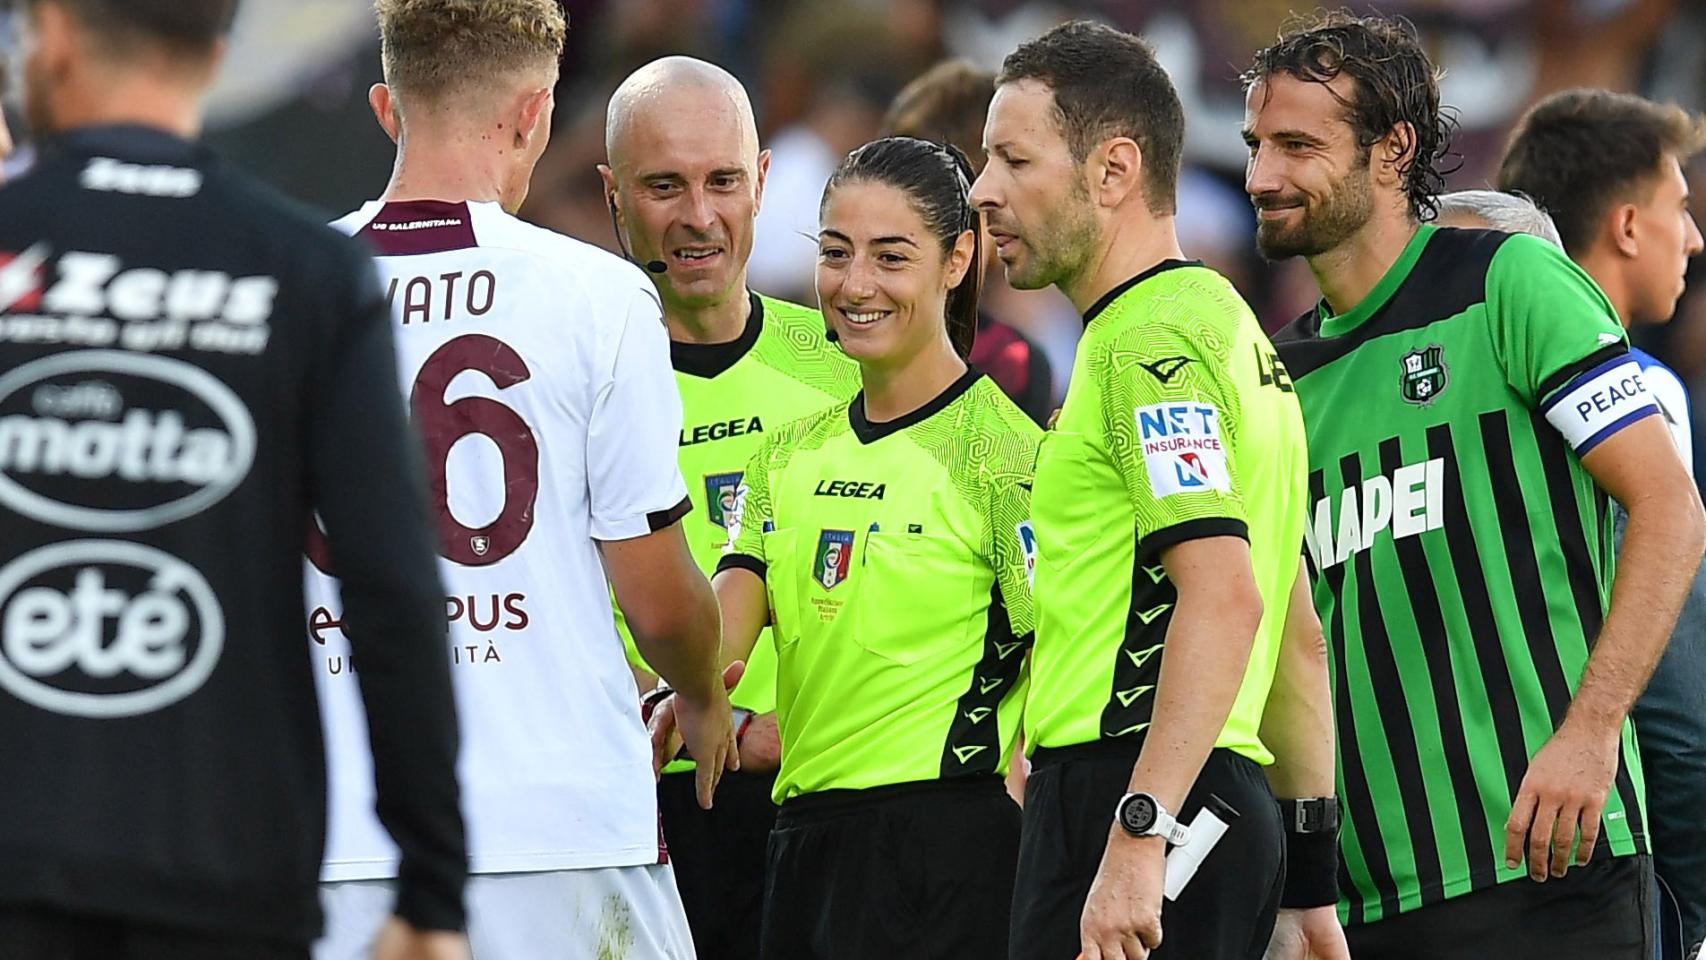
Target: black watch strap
[[1311, 815]]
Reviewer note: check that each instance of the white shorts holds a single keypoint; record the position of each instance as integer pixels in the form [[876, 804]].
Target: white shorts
[[616, 913]]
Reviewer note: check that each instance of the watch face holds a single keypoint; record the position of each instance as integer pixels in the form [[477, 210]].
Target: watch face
[[1138, 814]]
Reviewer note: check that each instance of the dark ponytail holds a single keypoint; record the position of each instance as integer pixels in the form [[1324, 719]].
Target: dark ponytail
[[938, 178]]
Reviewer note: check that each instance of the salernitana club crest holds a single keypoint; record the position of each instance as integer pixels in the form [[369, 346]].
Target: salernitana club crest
[[1425, 375], [722, 493], [833, 559]]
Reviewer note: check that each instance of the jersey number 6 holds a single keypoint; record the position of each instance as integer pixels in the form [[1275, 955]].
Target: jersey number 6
[[443, 424]]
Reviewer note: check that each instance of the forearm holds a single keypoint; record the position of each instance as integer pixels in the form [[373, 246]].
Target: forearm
[[682, 641], [745, 610], [1660, 555], [1297, 721], [1202, 667]]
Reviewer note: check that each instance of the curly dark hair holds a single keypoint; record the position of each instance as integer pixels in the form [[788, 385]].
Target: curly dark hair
[[1394, 83]]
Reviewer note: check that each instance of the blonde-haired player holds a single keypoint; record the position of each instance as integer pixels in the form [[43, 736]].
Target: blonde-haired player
[[538, 374]]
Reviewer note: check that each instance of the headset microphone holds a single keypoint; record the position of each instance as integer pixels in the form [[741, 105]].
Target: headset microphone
[[830, 335], [657, 266]]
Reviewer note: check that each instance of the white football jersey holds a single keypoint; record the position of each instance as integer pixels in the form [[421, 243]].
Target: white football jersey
[[537, 371]]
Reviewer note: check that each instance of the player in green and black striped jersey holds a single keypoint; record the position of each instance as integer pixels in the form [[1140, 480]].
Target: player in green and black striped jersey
[[888, 541], [1470, 404], [685, 175]]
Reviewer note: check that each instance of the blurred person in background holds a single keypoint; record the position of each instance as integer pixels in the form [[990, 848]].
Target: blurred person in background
[[826, 90], [1609, 167], [5, 133], [166, 794], [948, 104], [1496, 210], [552, 355], [684, 181], [1168, 513], [1465, 397]]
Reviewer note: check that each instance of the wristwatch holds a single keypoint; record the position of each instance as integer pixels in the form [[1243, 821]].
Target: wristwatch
[[1141, 815]]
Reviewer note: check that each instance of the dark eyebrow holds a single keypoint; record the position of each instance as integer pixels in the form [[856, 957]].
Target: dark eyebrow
[[829, 234], [1308, 138], [727, 172]]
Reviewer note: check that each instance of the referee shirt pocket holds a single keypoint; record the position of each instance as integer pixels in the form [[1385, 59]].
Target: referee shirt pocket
[[915, 596]]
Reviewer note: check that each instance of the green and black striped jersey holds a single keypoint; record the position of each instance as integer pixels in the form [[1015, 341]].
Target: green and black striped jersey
[[1462, 556], [896, 558]]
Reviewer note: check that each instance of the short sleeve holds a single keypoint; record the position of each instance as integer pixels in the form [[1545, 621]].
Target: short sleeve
[[1171, 419], [752, 515], [1561, 345], [633, 430], [1014, 550]]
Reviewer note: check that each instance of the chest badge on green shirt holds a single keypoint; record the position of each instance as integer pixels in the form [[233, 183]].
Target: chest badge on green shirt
[[1424, 376], [834, 558], [722, 493]]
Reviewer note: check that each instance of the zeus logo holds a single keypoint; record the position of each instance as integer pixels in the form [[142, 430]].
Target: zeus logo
[[1410, 502]]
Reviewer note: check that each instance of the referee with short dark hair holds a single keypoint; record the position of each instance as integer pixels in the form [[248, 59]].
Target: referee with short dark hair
[[189, 369]]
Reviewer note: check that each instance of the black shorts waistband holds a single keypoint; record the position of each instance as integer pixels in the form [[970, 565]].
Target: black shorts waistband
[[1125, 749], [825, 804]]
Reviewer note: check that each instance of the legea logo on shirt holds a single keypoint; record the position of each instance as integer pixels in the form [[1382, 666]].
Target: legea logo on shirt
[[1182, 448]]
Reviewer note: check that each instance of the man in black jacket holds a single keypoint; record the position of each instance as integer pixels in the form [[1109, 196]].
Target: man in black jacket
[[189, 369]]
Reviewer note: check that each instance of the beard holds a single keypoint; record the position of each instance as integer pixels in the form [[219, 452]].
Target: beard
[[1058, 249], [1322, 226]]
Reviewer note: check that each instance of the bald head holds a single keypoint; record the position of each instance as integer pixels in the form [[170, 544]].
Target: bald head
[[685, 179], [677, 92]]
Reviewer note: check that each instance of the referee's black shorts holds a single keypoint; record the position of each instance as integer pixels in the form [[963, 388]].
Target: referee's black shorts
[[916, 871], [1603, 911], [718, 858], [1226, 913]]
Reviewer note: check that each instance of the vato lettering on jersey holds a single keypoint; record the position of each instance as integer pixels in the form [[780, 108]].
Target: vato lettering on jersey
[[1408, 503], [94, 301], [1182, 448], [105, 629], [105, 441], [1600, 402]]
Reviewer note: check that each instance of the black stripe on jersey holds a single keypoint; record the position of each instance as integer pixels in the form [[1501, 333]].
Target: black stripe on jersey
[[1430, 626], [1579, 555], [1450, 276], [1511, 504], [1359, 798], [1559, 378], [1138, 663], [663, 519], [1395, 727], [741, 561], [974, 738], [1478, 608]]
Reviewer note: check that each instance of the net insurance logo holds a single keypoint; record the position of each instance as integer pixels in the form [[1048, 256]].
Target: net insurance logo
[[1182, 448], [108, 442]]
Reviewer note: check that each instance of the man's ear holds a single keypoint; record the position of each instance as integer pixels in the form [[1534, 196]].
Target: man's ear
[[1115, 171], [384, 109], [534, 119], [763, 173], [1620, 230], [1395, 153]]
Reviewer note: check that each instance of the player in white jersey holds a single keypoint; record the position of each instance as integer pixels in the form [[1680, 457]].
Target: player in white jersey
[[538, 374]]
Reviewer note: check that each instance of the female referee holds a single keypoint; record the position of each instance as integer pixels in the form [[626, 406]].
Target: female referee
[[888, 541]]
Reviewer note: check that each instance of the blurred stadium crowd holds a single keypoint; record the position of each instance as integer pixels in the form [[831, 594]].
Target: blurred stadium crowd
[[292, 109]]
